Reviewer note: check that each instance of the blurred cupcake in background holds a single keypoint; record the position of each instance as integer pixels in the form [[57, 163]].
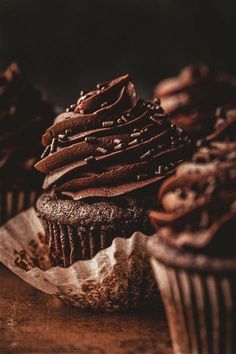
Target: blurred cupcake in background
[[193, 253], [24, 115], [191, 98]]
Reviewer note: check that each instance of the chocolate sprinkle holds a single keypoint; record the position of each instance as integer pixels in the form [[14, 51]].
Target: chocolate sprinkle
[[45, 152], [179, 131], [102, 85], [117, 141], [68, 132], [123, 119], [101, 150], [160, 170], [53, 145], [220, 112], [155, 120], [119, 146], [199, 143], [141, 177], [219, 122], [186, 140], [136, 135], [73, 106], [157, 101], [146, 155], [62, 137], [159, 109], [133, 142], [108, 123], [160, 115], [103, 104], [91, 139]]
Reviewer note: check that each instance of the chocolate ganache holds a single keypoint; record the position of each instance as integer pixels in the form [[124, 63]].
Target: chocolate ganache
[[199, 203], [110, 143]]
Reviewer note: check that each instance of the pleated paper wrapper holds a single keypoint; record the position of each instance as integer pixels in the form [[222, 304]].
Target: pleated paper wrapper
[[117, 278], [199, 294], [13, 202]]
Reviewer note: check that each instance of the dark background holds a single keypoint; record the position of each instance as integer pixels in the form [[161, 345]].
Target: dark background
[[73, 44]]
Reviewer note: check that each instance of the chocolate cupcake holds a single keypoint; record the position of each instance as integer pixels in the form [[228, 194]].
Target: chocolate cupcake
[[24, 115], [103, 159], [193, 253], [192, 97]]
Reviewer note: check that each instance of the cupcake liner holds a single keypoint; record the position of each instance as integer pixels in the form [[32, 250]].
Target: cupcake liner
[[69, 243], [117, 278], [13, 202], [200, 307]]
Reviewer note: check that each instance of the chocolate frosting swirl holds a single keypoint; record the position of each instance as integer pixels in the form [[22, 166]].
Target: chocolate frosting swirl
[[110, 143], [24, 115], [192, 97], [199, 202]]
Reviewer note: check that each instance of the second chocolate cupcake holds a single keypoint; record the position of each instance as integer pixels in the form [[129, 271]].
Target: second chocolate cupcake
[[103, 159], [194, 251], [192, 97]]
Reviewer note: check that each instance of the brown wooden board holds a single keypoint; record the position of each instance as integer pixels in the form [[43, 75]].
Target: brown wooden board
[[33, 322]]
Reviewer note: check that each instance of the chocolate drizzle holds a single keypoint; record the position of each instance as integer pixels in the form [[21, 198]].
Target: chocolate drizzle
[[114, 147]]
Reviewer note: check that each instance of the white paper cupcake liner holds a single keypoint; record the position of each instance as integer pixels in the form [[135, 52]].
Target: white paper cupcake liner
[[13, 202], [199, 294], [117, 278], [200, 307]]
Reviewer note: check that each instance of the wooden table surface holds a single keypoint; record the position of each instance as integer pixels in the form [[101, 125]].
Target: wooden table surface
[[34, 322]]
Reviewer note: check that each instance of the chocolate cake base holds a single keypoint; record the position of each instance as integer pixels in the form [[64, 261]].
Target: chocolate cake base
[[77, 230]]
